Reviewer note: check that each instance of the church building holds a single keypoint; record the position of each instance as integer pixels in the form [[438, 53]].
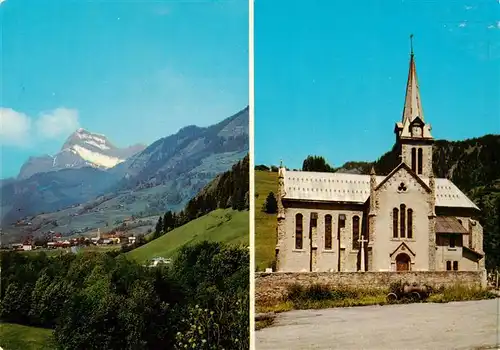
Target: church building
[[405, 221]]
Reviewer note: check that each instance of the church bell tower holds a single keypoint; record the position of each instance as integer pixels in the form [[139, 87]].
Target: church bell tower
[[413, 134]]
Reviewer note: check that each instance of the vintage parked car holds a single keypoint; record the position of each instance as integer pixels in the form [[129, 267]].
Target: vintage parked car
[[413, 292]]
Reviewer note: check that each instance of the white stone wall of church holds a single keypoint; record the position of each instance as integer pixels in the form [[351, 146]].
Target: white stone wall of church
[[388, 197], [444, 253], [295, 259], [350, 255], [465, 221], [477, 235], [477, 240], [327, 260], [467, 265]]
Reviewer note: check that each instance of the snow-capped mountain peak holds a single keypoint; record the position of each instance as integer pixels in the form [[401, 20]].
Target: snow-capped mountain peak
[[82, 148], [84, 138]]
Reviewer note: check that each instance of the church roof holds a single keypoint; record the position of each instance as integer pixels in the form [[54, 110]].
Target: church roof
[[449, 224], [355, 188]]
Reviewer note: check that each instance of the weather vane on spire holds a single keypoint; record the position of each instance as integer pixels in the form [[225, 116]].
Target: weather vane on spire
[[411, 43]]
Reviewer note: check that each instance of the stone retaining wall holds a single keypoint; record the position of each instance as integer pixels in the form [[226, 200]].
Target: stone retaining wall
[[271, 287]]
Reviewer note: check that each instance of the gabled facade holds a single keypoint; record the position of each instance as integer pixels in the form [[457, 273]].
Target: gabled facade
[[405, 221]]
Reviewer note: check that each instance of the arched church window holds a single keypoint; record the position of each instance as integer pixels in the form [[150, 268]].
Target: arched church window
[[328, 232], [410, 223], [341, 224], [420, 161], [355, 232], [395, 220], [402, 212], [414, 159], [298, 231]]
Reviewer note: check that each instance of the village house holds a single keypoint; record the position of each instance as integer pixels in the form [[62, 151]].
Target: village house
[[405, 221], [27, 247], [158, 261]]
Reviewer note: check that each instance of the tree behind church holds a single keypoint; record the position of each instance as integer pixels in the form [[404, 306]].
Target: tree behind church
[[316, 163], [270, 205]]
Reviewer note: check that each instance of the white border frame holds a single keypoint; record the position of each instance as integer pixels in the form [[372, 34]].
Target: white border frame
[[252, 168]]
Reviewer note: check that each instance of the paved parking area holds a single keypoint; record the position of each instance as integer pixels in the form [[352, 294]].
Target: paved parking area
[[457, 325]]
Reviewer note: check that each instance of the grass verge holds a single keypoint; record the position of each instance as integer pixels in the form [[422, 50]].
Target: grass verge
[[268, 322], [265, 224], [460, 293], [18, 337], [318, 296]]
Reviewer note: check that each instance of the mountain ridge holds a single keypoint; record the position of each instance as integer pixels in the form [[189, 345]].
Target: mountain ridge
[[165, 175]]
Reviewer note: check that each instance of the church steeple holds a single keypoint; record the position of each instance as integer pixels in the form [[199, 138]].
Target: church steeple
[[413, 103], [413, 123], [413, 134]]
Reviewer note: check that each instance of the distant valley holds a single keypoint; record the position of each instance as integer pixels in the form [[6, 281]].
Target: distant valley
[[92, 184]]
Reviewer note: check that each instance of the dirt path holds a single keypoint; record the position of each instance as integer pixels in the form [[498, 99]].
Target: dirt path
[[458, 325]]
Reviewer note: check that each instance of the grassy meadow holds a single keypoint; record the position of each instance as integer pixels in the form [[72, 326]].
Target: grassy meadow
[[221, 225], [18, 337], [59, 251], [265, 224]]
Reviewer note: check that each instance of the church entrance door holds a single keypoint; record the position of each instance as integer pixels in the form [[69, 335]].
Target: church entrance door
[[402, 262]]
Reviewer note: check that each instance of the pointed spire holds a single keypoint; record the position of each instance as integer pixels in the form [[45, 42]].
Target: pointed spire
[[413, 103], [281, 170], [372, 170], [411, 43], [281, 191]]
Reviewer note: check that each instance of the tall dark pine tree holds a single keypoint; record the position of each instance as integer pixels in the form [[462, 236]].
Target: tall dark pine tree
[[168, 224], [271, 205], [159, 228]]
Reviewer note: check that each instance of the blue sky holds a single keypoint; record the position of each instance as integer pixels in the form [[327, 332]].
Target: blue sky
[[330, 76], [135, 71]]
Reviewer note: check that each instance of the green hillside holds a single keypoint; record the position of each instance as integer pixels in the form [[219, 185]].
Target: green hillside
[[265, 224], [18, 337], [221, 225]]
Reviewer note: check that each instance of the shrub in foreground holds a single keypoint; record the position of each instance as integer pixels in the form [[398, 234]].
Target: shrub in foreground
[[318, 292]]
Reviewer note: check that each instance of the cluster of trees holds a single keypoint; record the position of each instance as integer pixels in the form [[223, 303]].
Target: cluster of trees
[[316, 163], [262, 167], [311, 163], [98, 301], [228, 190], [169, 221]]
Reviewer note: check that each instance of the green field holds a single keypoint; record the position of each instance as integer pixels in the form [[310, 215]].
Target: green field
[[222, 225], [17, 337], [265, 224], [90, 248]]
